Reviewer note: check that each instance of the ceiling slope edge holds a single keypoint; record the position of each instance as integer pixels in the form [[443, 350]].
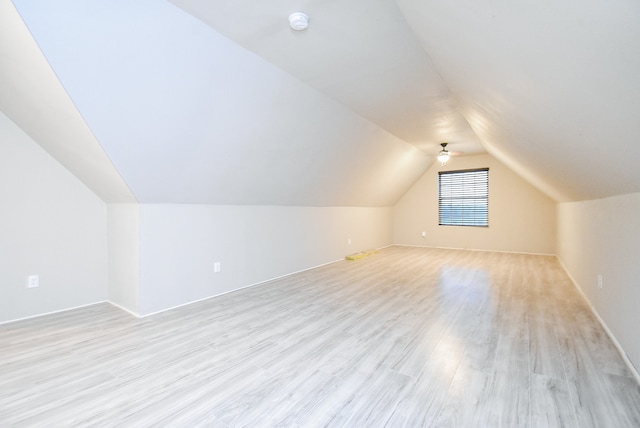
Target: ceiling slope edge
[[546, 88], [233, 130], [370, 63], [32, 96], [518, 168]]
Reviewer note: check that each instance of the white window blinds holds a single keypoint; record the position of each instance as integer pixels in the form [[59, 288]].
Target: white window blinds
[[463, 197]]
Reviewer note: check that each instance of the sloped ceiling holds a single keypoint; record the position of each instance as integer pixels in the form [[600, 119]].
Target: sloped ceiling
[[31, 95], [220, 102], [361, 53], [188, 116], [551, 88]]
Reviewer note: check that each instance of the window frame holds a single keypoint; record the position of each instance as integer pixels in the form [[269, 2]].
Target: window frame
[[464, 219]]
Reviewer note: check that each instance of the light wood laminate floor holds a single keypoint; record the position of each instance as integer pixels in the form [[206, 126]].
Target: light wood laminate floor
[[407, 337]]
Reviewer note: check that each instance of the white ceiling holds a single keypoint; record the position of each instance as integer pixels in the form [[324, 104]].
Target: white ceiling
[[551, 88], [220, 102], [32, 96], [361, 53]]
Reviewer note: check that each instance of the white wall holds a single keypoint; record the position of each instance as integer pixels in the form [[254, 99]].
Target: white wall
[[179, 245], [124, 255], [603, 237], [521, 218], [188, 116], [51, 225]]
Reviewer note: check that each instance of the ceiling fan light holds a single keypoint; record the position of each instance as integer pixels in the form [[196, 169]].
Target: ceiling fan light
[[443, 156]]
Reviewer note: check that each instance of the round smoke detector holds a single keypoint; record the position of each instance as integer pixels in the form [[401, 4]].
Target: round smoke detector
[[299, 21]]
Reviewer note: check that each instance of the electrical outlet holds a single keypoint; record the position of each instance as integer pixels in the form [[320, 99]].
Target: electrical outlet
[[33, 281], [599, 280], [216, 267], [349, 241], [423, 234]]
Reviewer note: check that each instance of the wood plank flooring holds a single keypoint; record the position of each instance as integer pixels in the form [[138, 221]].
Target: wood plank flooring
[[408, 337]]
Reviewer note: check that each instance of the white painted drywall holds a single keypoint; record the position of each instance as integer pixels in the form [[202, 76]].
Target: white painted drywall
[[51, 225], [188, 116], [124, 260], [603, 237], [179, 245], [544, 85], [521, 218], [32, 97]]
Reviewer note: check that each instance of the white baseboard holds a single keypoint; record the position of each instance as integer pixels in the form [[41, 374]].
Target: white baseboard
[[473, 249], [242, 288], [129, 311], [604, 325], [234, 290], [52, 312]]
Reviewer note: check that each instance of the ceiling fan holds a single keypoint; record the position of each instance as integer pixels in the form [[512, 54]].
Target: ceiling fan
[[444, 154]]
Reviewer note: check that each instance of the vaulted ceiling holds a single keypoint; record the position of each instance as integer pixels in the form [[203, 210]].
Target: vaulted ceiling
[[211, 101]]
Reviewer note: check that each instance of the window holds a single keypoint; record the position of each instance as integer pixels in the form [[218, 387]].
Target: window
[[463, 197]]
